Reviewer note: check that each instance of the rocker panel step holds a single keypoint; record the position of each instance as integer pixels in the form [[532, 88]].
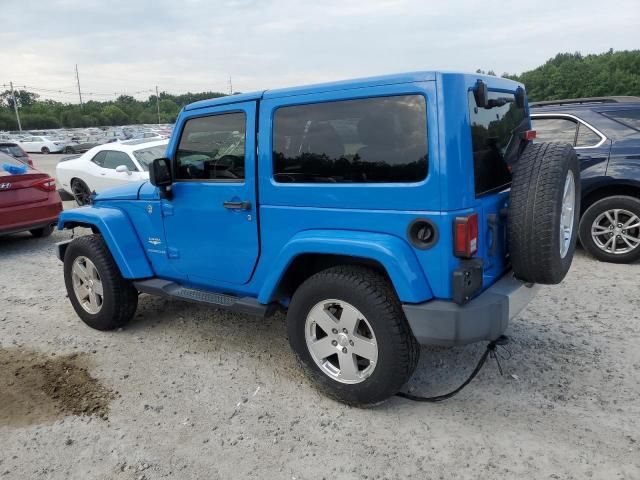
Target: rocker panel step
[[166, 288]]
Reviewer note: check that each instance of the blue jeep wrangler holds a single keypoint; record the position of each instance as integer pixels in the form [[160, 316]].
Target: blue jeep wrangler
[[380, 213]]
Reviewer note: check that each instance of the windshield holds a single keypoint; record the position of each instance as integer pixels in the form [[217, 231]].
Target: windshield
[[147, 155], [495, 139]]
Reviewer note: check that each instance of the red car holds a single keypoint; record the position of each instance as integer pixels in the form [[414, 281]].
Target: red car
[[28, 199]]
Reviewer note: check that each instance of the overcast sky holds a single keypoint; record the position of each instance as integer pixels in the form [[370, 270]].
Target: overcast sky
[[195, 45]]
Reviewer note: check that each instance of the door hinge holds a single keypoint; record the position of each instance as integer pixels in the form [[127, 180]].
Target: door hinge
[[167, 209], [173, 252]]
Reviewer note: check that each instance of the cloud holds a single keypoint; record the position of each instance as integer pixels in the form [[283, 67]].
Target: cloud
[[130, 46]]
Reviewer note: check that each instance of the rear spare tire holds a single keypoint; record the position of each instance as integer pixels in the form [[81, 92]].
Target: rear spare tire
[[543, 212]]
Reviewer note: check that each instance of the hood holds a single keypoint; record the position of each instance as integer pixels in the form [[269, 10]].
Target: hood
[[128, 191]]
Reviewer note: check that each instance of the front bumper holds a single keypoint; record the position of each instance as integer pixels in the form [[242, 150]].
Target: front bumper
[[486, 317]]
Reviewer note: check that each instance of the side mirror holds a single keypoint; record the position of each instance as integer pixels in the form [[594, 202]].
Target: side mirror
[[481, 94], [123, 169], [160, 176]]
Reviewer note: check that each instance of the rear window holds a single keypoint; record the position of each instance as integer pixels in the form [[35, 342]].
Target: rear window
[[495, 140], [4, 158], [13, 150], [370, 140]]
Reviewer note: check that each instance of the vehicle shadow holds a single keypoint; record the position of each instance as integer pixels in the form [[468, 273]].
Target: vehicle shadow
[[440, 369]]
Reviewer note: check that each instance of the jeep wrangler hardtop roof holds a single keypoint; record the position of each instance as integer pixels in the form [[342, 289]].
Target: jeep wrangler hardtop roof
[[375, 81]]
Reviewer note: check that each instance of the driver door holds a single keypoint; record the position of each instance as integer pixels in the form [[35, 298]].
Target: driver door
[[210, 221]]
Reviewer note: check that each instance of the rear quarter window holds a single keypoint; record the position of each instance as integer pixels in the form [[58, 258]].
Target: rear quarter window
[[370, 140]]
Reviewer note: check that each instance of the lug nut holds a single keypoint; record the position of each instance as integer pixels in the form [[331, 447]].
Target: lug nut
[[334, 343], [344, 330], [351, 342], [334, 330], [344, 350]]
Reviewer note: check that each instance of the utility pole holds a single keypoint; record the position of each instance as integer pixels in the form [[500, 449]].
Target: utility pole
[[79, 92], [158, 104], [15, 106], [230, 86]]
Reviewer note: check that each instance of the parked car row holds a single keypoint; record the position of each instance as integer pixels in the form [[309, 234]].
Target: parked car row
[[80, 140]]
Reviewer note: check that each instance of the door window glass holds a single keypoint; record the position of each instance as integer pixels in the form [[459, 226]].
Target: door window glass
[[113, 159], [212, 148]]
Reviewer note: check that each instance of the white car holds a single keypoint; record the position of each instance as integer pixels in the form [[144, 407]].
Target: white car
[[106, 166], [42, 144]]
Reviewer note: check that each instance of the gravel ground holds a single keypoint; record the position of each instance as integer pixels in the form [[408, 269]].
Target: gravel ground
[[192, 392]]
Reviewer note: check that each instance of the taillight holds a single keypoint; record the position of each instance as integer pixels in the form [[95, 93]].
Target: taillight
[[465, 236], [45, 184], [529, 135]]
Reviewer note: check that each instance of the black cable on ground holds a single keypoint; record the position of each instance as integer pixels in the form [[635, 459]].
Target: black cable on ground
[[490, 351]]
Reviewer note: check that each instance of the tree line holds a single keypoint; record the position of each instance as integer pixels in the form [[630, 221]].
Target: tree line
[[36, 113], [567, 75], [573, 75]]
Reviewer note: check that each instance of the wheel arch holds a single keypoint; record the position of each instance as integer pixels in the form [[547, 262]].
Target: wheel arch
[[311, 251], [609, 190], [112, 224]]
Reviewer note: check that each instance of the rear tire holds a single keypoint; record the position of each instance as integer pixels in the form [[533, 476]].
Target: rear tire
[[44, 151], [363, 303], [543, 212], [99, 295], [42, 232], [597, 220], [68, 150]]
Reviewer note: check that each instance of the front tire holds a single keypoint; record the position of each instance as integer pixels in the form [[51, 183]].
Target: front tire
[[81, 192], [350, 334], [610, 229], [44, 151], [99, 295]]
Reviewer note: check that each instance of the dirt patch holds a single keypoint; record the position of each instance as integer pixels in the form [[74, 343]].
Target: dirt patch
[[35, 388]]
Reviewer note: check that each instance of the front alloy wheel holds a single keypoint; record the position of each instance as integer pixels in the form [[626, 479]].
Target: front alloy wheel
[[87, 284]]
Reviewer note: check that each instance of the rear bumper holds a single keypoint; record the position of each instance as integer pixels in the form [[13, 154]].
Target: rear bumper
[[486, 317]]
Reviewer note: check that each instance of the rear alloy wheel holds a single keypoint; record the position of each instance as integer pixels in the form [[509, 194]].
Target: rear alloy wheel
[[44, 150], [42, 232], [81, 192], [350, 334], [610, 229]]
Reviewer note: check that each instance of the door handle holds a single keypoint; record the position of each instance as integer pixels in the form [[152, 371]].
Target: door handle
[[237, 205]]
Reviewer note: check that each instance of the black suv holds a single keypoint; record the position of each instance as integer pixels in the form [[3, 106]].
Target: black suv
[[605, 133]]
